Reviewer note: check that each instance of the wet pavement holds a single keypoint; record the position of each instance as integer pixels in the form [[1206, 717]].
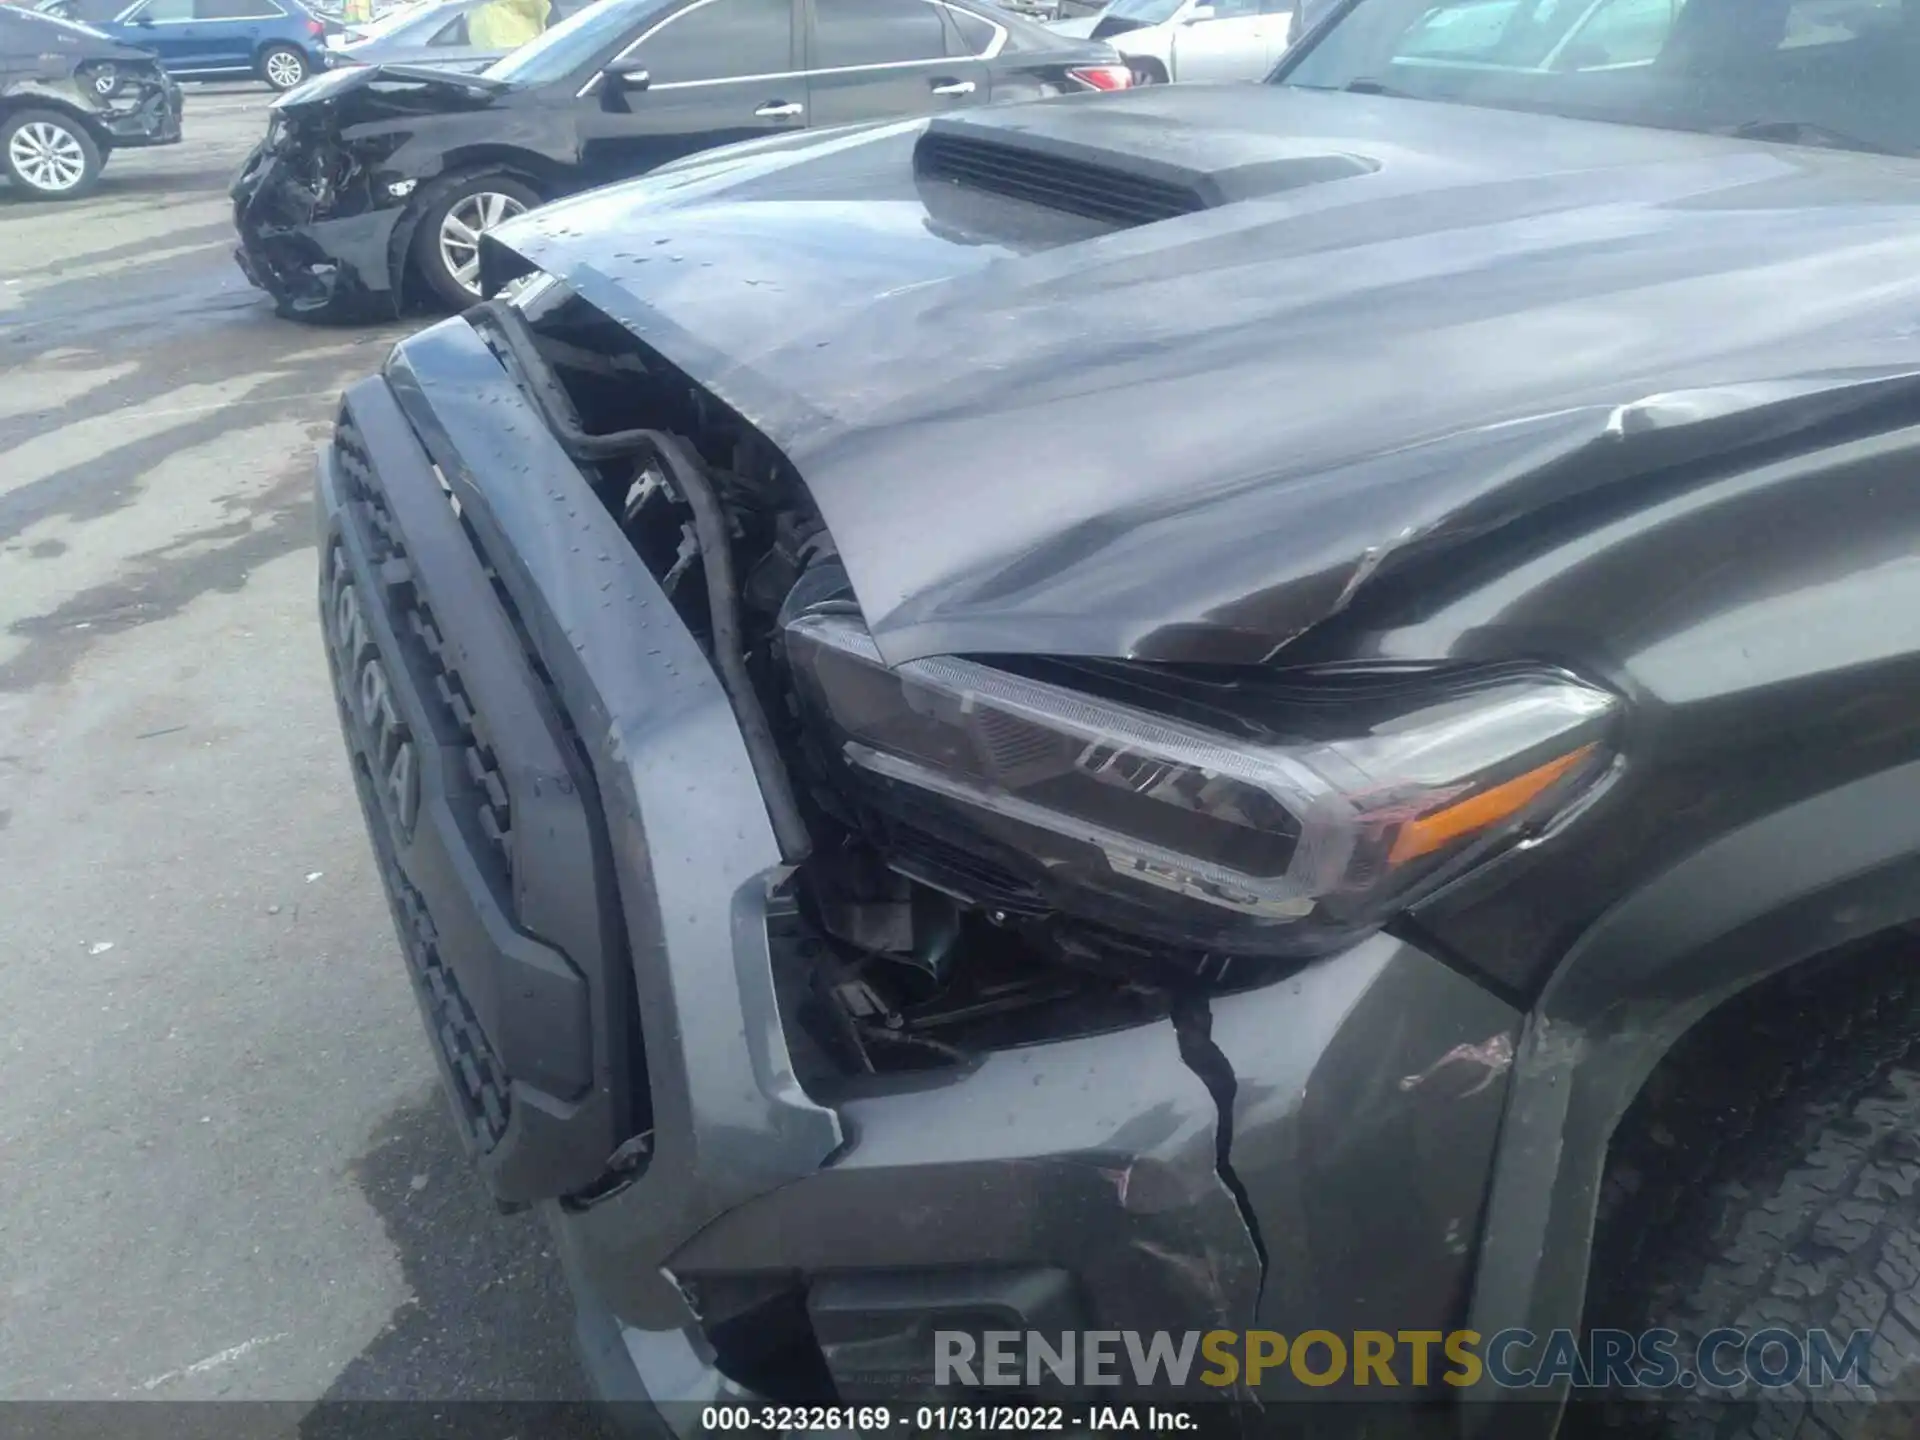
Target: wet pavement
[[226, 1170]]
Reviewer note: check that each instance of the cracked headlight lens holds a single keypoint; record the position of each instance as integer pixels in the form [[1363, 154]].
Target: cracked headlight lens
[[1274, 839]]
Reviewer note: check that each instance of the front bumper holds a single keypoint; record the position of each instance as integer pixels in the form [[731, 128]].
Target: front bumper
[[154, 118], [1067, 1186], [311, 264]]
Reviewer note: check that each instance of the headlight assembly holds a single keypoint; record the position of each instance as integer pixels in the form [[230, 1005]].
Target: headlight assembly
[[1272, 840]]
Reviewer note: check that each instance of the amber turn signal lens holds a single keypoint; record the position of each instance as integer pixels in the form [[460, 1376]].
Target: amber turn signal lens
[[1479, 812]]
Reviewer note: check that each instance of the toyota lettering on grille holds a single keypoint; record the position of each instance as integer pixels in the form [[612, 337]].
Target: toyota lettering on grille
[[378, 732]]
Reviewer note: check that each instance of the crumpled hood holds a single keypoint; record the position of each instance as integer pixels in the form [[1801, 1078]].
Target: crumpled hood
[[1198, 437], [361, 93]]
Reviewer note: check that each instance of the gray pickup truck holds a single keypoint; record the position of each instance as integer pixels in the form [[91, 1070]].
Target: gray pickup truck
[[1283, 708]]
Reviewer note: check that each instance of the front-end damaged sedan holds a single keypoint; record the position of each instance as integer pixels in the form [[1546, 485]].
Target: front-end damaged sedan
[[374, 183], [1281, 707], [70, 97]]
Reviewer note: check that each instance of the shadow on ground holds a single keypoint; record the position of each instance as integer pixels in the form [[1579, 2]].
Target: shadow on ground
[[484, 1347]]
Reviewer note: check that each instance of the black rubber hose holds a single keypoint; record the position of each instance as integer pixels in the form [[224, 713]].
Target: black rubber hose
[[549, 395], [690, 478]]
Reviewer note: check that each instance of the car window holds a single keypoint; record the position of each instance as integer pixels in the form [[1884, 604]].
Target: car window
[[1834, 73], [405, 23], [875, 32], [1834, 22], [165, 12], [565, 50], [1458, 30], [968, 33], [233, 9], [1621, 32], [718, 39], [1143, 12]]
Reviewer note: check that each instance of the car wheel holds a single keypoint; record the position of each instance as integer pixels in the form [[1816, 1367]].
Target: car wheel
[[1771, 1182], [1147, 72], [283, 66], [49, 155], [455, 215]]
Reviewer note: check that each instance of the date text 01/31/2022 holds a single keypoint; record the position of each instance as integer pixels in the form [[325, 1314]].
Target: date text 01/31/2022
[[941, 1419]]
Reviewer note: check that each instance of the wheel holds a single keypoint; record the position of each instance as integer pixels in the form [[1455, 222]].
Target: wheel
[[446, 246], [284, 66], [49, 155], [1147, 72], [1772, 1182]]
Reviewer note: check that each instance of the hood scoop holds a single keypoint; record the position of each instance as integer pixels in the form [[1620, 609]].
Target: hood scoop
[[1088, 188], [1136, 178]]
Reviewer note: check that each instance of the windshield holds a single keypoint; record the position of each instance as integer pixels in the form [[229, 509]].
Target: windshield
[[1842, 73], [571, 44], [1147, 12]]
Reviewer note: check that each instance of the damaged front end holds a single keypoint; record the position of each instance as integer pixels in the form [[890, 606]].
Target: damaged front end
[[809, 1056], [1033, 917], [1000, 850], [134, 101], [320, 206]]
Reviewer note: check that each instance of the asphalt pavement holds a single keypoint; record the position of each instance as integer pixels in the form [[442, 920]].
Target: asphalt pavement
[[224, 1167]]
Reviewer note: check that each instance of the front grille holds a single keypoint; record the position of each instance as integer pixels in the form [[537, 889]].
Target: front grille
[[1057, 182], [490, 809], [481, 1081], [486, 1102], [494, 812]]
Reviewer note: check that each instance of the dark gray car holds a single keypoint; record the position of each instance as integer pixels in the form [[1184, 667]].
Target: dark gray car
[[70, 97]]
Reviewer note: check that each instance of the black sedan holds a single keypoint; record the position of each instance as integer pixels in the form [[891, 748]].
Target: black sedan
[[374, 184], [70, 97]]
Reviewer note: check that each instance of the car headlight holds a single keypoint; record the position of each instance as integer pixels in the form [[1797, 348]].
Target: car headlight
[[1312, 816]]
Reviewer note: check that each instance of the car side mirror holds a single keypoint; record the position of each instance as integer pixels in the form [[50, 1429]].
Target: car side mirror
[[1199, 13], [143, 19], [629, 74]]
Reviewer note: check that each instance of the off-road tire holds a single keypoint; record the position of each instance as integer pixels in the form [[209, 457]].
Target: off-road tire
[[435, 202], [1770, 1177], [92, 158], [288, 55]]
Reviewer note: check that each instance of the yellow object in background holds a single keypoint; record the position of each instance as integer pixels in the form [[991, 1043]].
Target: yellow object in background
[[505, 24]]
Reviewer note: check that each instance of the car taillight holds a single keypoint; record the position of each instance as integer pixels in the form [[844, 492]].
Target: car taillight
[[1102, 77], [314, 27]]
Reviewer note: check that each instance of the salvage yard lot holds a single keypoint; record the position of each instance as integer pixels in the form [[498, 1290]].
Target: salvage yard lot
[[227, 1171]]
